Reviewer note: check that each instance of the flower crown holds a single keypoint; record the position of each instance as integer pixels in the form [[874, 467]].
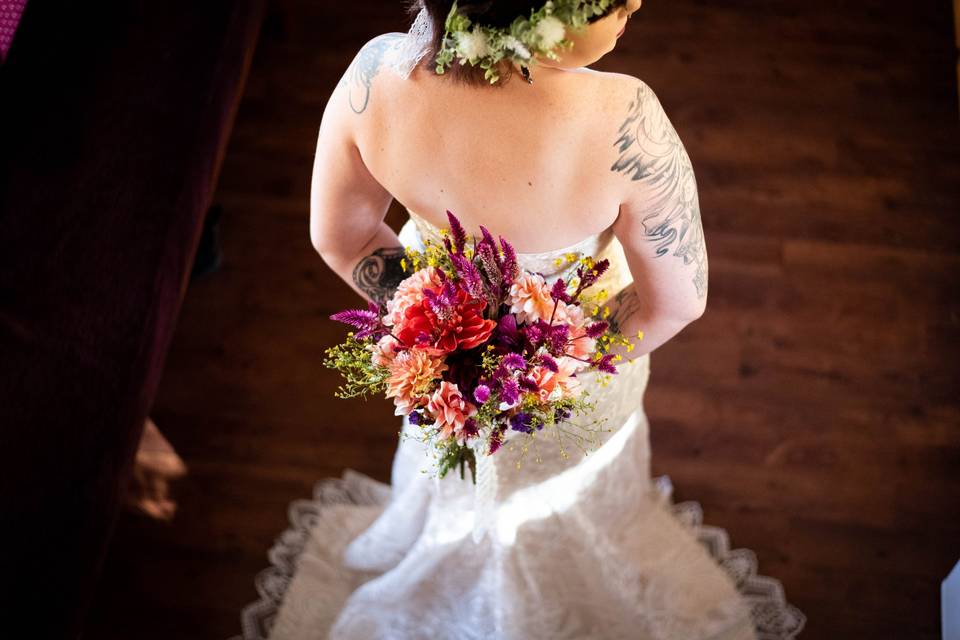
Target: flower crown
[[525, 37]]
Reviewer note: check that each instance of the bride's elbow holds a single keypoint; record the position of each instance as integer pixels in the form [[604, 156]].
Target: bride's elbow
[[695, 309], [698, 313], [324, 245], [321, 237]]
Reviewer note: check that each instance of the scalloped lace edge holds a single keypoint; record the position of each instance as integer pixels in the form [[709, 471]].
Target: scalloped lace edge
[[774, 618]]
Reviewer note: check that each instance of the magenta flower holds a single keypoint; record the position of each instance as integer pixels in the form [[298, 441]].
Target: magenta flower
[[482, 393], [458, 233], [366, 320]]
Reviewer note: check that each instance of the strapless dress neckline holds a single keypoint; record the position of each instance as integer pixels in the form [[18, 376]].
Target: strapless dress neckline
[[589, 245], [551, 264]]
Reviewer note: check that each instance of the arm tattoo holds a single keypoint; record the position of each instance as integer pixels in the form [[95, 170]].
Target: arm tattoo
[[652, 155], [627, 304], [365, 67], [380, 273]]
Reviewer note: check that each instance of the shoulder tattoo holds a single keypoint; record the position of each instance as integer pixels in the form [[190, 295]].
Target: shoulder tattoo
[[364, 68], [380, 273], [652, 156]]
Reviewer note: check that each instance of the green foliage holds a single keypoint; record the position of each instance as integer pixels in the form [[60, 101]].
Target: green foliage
[[457, 455], [352, 359], [521, 42]]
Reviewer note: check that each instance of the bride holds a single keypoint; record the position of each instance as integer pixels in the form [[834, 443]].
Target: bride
[[510, 129]]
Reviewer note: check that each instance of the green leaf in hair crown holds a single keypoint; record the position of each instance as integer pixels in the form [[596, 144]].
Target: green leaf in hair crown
[[540, 34]]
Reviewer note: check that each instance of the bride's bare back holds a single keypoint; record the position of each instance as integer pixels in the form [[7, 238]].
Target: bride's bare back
[[544, 165], [528, 161]]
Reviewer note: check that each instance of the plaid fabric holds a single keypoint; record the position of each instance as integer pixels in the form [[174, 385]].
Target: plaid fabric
[[10, 12]]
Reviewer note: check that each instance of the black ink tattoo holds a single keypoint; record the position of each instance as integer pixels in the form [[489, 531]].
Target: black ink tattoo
[[379, 274], [652, 154], [626, 303], [364, 68]]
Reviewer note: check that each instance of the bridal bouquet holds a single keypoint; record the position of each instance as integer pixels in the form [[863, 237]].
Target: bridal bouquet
[[475, 350]]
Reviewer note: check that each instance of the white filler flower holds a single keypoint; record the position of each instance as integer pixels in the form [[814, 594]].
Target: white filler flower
[[551, 31], [509, 42], [472, 44]]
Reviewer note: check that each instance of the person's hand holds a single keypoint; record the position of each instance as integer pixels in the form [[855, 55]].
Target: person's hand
[[155, 466]]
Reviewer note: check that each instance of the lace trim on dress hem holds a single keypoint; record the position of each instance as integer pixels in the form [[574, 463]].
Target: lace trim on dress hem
[[774, 618]]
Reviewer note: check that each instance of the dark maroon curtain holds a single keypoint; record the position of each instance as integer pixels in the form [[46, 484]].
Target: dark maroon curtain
[[114, 116]]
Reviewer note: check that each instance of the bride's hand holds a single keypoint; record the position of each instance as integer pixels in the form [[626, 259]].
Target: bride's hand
[[155, 467]]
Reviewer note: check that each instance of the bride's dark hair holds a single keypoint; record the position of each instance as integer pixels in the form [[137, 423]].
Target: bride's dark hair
[[493, 13]]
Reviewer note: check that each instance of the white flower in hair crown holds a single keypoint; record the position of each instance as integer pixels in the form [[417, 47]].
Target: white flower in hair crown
[[539, 34]]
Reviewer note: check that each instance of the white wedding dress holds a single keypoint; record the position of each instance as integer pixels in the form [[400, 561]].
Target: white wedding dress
[[584, 547]]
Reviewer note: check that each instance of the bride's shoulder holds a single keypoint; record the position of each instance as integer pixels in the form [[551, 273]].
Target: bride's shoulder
[[618, 90], [359, 82]]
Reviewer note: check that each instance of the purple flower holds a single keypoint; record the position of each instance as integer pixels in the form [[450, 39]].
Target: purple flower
[[605, 363], [482, 393], [589, 276], [458, 233], [528, 383], [559, 334], [559, 291], [536, 332], [366, 320], [472, 281], [442, 303], [510, 391], [506, 333], [496, 438], [423, 339], [415, 417], [488, 260], [549, 363], [487, 238], [521, 421], [596, 329], [470, 428], [514, 361], [561, 414], [509, 267]]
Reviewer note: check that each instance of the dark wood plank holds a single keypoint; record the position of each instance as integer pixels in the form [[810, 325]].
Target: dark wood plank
[[813, 410]]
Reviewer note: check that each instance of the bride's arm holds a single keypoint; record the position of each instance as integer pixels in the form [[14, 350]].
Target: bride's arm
[[347, 205], [659, 226]]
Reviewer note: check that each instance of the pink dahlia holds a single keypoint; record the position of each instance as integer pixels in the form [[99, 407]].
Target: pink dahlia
[[580, 345], [559, 384], [451, 410], [412, 375], [410, 293], [571, 314]]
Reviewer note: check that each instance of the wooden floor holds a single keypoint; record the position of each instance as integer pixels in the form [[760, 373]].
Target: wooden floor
[[813, 410]]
